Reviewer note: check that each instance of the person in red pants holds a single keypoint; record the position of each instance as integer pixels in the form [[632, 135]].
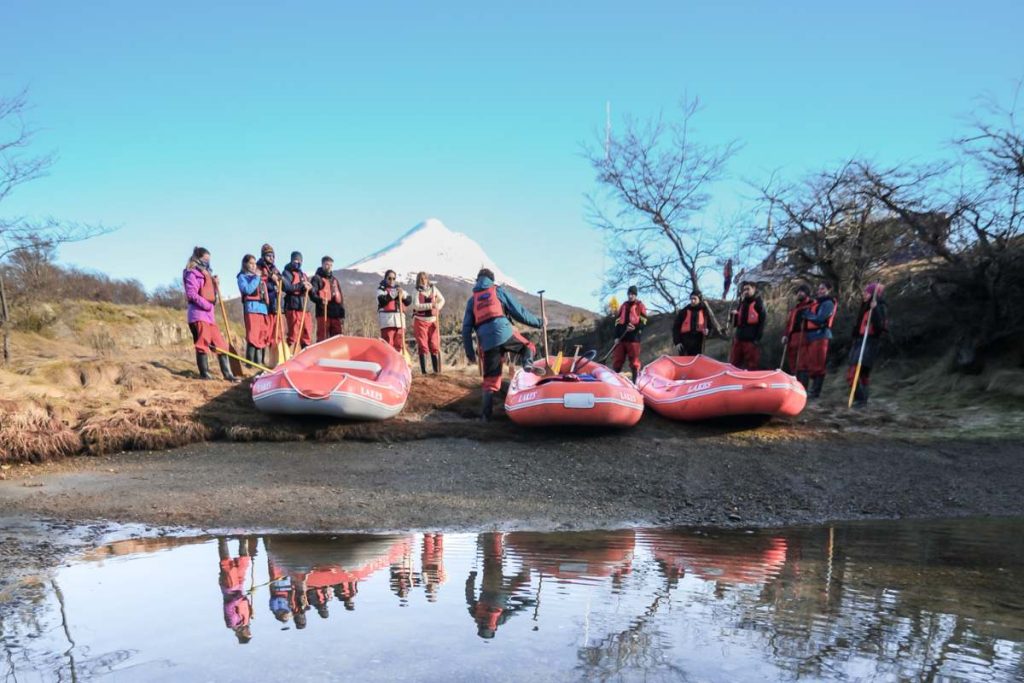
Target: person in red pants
[[426, 312], [392, 301], [629, 325], [328, 300], [794, 336], [749, 318], [817, 335], [296, 289]]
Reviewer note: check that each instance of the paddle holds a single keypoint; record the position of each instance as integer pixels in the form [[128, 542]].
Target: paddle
[[279, 352], [575, 359], [302, 323], [863, 345], [258, 366], [401, 317], [544, 326], [785, 345], [236, 367]]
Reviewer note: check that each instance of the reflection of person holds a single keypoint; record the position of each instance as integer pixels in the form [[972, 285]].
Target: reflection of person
[[233, 571], [432, 562], [499, 596], [298, 603], [346, 592], [280, 593], [403, 579], [318, 598]]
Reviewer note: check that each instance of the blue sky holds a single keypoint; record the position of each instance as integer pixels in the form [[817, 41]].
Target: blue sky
[[333, 128]]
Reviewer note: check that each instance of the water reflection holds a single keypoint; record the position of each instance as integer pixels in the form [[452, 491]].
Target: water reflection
[[873, 601]]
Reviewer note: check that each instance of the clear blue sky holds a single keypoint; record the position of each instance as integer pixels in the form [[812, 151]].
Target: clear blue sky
[[334, 129]]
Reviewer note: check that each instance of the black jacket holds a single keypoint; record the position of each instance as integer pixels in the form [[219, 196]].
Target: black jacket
[[334, 309], [744, 330]]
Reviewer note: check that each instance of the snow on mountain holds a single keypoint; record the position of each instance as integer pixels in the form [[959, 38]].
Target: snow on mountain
[[432, 247]]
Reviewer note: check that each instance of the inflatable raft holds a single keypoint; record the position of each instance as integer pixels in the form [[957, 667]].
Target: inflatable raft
[[589, 394], [698, 388], [355, 378]]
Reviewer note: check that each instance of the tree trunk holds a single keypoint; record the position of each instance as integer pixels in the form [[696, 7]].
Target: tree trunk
[[5, 319]]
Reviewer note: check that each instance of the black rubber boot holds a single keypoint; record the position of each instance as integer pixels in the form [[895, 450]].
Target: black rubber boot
[[225, 369], [802, 378], [423, 364], [261, 356], [487, 410], [203, 363], [250, 353], [435, 362], [816, 387]]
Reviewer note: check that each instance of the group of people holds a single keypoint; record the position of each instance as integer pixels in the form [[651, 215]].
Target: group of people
[[275, 309]]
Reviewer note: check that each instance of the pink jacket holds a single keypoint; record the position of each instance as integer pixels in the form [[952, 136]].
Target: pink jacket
[[199, 309]]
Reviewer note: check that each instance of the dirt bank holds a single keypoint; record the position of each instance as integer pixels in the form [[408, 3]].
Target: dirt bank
[[545, 482]]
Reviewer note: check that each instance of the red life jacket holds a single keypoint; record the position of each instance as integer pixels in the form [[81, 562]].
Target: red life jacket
[[392, 306], [631, 311], [487, 306], [811, 325], [207, 291], [791, 325], [424, 299], [865, 319], [751, 318], [260, 294], [329, 290], [688, 318]]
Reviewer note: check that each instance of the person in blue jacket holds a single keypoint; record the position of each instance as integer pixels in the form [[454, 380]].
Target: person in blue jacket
[[817, 335], [256, 310], [489, 312]]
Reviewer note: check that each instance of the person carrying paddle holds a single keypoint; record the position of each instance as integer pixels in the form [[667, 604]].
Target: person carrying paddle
[[749, 319], [259, 331], [871, 323], [793, 339], [426, 311], [818, 321], [692, 325], [629, 325], [201, 293], [392, 301], [326, 292], [296, 293], [490, 312]]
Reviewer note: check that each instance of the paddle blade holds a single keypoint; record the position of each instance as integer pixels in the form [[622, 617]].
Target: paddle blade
[[234, 363], [557, 367]]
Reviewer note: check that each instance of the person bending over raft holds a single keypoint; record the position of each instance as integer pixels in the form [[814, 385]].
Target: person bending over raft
[[391, 303], [692, 326], [296, 288], [326, 291], [272, 279], [749, 320], [872, 320], [426, 309], [632, 318], [201, 293], [793, 339], [817, 321], [256, 311], [488, 312]]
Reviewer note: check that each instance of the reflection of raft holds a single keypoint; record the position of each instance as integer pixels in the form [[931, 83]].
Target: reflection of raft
[[348, 377], [330, 561], [573, 555], [593, 395], [732, 559], [698, 388]]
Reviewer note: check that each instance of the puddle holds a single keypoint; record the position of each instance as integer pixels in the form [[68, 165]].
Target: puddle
[[874, 601]]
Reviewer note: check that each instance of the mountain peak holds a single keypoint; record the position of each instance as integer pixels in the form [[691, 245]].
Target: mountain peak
[[432, 247]]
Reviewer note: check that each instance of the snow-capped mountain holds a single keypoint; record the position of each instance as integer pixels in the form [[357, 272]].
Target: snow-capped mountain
[[432, 247]]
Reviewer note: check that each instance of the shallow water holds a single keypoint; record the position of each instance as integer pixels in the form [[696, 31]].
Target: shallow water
[[878, 601]]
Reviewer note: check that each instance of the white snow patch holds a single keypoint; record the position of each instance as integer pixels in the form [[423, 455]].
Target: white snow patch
[[432, 247]]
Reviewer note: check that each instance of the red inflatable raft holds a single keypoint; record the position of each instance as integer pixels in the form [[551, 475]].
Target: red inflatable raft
[[698, 388], [589, 395], [348, 377]]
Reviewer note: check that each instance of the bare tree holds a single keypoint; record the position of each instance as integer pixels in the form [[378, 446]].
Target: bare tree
[[18, 166], [658, 178]]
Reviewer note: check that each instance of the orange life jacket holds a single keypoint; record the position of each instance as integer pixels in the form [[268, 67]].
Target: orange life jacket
[[487, 306], [688, 318], [751, 318], [865, 320], [329, 290], [811, 325], [260, 294], [631, 311], [424, 299], [207, 291], [791, 324]]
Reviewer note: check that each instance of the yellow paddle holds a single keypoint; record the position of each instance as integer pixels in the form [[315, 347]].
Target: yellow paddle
[[264, 368], [279, 351], [557, 367]]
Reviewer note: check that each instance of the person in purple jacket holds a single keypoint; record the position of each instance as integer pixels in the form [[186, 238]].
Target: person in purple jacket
[[201, 287]]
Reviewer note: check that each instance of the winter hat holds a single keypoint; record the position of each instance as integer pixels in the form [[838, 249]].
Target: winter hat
[[485, 272], [805, 289], [266, 249], [875, 289], [296, 254], [632, 290]]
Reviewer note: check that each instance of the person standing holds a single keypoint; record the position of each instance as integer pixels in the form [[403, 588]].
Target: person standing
[[629, 325], [426, 311], [793, 339], [489, 313], [692, 325], [817, 335], [255, 310], [328, 300], [872, 321], [201, 293], [296, 287], [272, 279], [391, 304], [749, 319]]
